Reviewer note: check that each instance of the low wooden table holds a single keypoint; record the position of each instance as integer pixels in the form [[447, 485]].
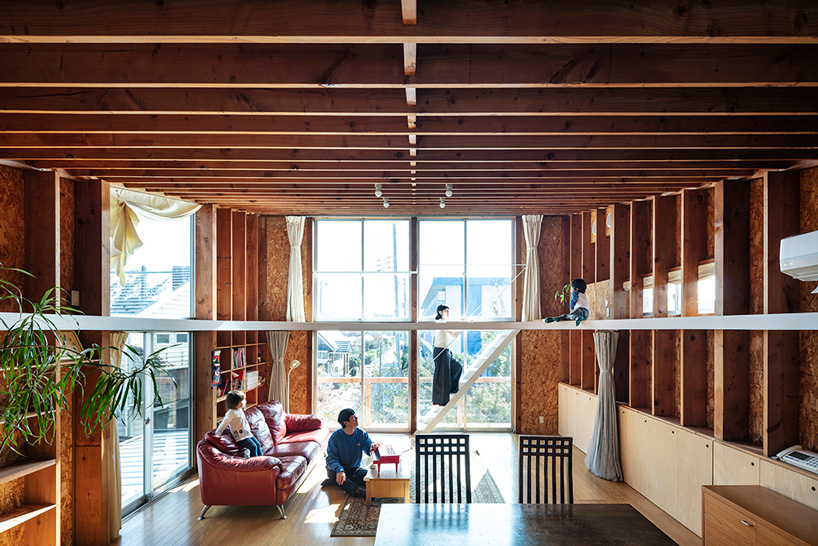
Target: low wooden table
[[515, 525], [388, 482]]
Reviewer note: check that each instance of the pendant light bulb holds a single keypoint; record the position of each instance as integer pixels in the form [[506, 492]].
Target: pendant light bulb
[[448, 190], [442, 203], [378, 191], [385, 203]]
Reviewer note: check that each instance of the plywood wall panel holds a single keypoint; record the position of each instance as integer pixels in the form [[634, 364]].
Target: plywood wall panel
[[297, 350], [539, 382], [67, 234], [710, 378], [756, 386], [11, 497], [12, 228], [553, 271], [67, 475], [808, 339], [598, 294], [756, 307]]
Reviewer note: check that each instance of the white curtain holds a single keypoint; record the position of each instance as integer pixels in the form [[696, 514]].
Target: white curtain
[[110, 442], [531, 285], [603, 450], [295, 290], [277, 342], [125, 205]]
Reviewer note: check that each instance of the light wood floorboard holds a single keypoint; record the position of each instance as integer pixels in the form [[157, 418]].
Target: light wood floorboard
[[312, 511]]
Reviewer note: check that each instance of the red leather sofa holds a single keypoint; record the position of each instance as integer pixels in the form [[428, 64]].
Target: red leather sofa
[[290, 444]]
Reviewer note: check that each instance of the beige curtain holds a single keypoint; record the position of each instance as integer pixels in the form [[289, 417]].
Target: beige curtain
[[124, 207], [295, 290], [531, 285], [602, 458], [277, 342], [110, 442]]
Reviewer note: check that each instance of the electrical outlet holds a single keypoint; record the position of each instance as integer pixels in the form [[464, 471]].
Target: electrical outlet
[[542, 419]]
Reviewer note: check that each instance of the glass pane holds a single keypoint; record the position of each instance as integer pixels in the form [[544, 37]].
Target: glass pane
[[338, 296], [441, 242], [707, 295], [386, 296], [440, 285], [647, 302], [489, 242], [489, 292], [386, 245], [171, 420], [488, 402], [157, 276], [386, 378], [674, 299], [338, 245], [131, 439], [338, 373], [426, 368]]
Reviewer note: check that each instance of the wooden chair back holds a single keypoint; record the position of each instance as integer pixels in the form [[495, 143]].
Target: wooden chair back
[[442, 468], [545, 465]]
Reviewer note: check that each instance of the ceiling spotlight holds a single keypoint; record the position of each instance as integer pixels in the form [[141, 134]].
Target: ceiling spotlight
[[443, 202], [385, 202], [378, 191], [448, 190]]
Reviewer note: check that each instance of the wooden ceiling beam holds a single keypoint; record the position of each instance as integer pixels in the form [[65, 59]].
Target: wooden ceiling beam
[[156, 181], [435, 102], [459, 156], [526, 21], [458, 142], [381, 66], [397, 125]]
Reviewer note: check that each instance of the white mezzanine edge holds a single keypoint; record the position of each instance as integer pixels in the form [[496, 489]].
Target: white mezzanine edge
[[783, 321]]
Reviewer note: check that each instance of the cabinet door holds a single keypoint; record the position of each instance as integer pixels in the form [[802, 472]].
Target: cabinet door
[[723, 524], [770, 536]]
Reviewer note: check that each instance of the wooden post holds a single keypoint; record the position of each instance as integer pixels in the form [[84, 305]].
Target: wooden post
[[620, 265], [204, 342], [640, 356], [565, 337], [576, 268], [413, 335], [695, 222], [731, 351], [588, 251], [306, 252], [42, 259], [664, 341], [603, 247], [781, 350], [91, 278]]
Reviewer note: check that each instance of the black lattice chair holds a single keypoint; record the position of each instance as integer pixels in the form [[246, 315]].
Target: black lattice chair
[[545, 464], [442, 468]]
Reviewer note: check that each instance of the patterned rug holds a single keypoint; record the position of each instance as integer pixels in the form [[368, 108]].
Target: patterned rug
[[359, 520]]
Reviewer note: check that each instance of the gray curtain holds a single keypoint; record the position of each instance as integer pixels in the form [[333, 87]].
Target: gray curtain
[[603, 450], [277, 342]]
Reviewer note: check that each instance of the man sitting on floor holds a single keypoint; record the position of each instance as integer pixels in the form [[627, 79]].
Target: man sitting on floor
[[344, 451]]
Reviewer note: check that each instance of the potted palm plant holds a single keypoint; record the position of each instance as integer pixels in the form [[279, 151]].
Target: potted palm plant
[[40, 368]]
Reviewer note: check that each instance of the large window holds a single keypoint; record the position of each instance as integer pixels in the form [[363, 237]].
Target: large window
[[362, 270], [467, 265]]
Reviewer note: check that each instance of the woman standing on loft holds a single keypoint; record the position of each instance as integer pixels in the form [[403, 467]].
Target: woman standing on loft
[[446, 379]]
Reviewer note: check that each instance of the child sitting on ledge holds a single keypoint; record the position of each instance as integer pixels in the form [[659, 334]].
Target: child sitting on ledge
[[578, 306]]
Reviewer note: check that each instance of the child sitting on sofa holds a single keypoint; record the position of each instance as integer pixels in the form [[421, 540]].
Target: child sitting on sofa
[[239, 427]]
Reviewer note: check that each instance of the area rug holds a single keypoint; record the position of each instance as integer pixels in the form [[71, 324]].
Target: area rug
[[359, 520]]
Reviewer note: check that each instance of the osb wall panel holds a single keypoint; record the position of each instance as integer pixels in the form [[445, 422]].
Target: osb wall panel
[[677, 372], [297, 350], [711, 233], [67, 234], [551, 251], [540, 350], [278, 264], [710, 367], [678, 230], [12, 231], [597, 294], [11, 497], [756, 307], [808, 410], [67, 476]]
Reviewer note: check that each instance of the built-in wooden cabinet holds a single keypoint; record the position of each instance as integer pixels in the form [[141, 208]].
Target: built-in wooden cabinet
[[36, 521], [242, 363], [750, 514]]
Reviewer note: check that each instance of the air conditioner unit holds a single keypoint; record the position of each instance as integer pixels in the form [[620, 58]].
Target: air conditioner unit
[[798, 257]]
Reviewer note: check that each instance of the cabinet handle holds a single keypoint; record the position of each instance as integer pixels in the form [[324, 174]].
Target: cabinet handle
[[747, 524]]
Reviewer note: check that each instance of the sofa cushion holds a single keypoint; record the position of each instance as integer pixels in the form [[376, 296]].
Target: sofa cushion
[[319, 436], [258, 426], [291, 470], [274, 416], [308, 450], [224, 443], [301, 423]]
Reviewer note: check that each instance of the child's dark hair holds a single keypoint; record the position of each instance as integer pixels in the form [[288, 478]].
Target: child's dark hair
[[579, 284], [234, 398], [440, 309], [345, 415]]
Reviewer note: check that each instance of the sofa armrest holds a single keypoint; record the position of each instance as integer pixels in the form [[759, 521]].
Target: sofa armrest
[[302, 423], [231, 481]]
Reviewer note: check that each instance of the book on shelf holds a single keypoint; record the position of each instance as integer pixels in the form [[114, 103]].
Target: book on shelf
[[239, 358], [216, 372], [237, 381], [252, 379]]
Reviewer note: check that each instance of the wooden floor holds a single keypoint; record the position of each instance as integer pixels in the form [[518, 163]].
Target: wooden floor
[[312, 512]]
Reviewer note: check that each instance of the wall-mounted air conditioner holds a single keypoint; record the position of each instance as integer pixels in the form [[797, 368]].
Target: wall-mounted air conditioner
[[798, 257]]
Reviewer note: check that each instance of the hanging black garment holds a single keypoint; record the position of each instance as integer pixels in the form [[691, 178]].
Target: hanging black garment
[[446, 379]]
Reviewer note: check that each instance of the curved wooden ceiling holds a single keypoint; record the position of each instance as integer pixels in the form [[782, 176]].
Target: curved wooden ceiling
[[301, 107]]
